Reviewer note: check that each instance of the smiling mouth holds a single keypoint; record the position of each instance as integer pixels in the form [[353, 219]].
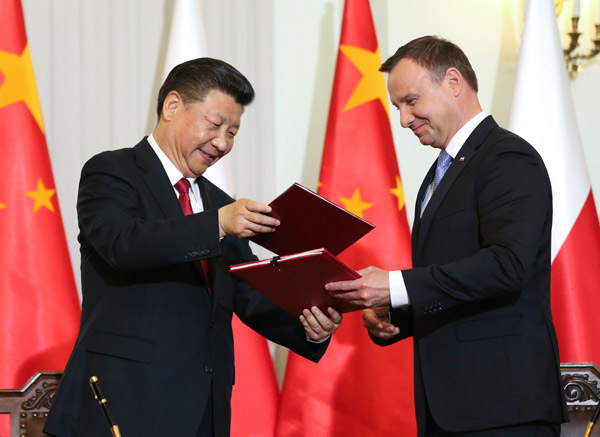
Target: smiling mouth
[[417, 130], [207, 157]]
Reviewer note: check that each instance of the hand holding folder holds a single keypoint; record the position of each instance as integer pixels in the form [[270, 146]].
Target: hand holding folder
[[312, 232]]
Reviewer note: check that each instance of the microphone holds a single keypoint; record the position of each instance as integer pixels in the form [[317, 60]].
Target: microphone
[[95, 385]]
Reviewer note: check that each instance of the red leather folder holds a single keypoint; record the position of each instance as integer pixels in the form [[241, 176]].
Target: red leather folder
[[309, 221], [297, 281], [312, 231]]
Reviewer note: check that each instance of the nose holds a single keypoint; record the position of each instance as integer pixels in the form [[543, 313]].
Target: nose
[[222, 142], [406, 117]]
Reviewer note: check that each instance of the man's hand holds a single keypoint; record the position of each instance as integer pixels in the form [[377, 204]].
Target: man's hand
[[370, 291], [377, 322], [319, 326], [245, 218]]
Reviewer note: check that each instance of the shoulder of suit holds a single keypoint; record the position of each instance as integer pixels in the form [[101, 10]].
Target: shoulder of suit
[[510, 139], [113, 155], [111, 159], [502, 141]]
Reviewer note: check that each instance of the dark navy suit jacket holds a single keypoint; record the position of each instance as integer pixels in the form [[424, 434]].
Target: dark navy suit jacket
[[486, 353], [150, 330]]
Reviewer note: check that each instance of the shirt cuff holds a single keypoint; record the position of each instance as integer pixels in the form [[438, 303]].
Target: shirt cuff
[[398, 293], [310, 340]]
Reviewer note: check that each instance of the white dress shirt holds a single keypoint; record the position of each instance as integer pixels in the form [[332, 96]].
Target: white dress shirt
[[175, 175], [398, 293]]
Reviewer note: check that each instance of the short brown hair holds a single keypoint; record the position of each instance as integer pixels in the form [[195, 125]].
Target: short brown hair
[[436, 55], [194, 79]]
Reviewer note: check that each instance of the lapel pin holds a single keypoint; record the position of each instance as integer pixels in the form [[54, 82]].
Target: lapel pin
[[461, 159]]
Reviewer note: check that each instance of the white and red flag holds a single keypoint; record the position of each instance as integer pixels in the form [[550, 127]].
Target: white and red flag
[[543, 113], [255, 393]]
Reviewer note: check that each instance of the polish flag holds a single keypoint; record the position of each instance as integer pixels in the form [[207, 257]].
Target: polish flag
[[255, 393], [543, 113]]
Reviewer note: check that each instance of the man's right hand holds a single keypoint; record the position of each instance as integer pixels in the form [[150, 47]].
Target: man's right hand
[[245, 218], [377, 322]]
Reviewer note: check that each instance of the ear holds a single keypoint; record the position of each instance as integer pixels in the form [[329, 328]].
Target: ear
[[172, 104], [454, 80]]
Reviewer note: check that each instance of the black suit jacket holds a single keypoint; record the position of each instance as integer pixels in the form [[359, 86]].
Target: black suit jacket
[[486, 353], [149, 329]]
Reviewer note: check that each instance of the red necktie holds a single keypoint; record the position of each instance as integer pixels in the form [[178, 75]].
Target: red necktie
[[183, 187]]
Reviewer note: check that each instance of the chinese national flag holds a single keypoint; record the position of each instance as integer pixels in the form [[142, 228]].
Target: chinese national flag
[[358, 388], [544, 114], [39, 308]]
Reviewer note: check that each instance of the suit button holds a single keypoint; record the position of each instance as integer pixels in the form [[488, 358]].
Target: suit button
[[207, 369], [210, 325]]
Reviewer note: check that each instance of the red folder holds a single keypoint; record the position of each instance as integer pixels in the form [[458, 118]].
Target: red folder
[[296, 279], [309, 221]]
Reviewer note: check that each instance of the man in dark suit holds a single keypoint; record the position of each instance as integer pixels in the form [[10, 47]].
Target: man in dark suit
[[477, 300], [156, 324]]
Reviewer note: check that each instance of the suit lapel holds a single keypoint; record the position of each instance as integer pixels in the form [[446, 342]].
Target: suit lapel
[[157, 180], [459, 163], [208, 200], [419, 205], [160, 187]]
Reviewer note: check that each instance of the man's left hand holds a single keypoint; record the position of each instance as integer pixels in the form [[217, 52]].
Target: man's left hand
[[372, 290], [377, 322], [319, 326]]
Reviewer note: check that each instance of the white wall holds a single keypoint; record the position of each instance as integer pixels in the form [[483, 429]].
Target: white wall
[[97, 64]]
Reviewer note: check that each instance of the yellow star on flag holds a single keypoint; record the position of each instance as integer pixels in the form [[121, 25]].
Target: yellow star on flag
[[41, 196], [355, 205], [372, 84], [19, 83], [559, 6], [399, 193], [2, 205]]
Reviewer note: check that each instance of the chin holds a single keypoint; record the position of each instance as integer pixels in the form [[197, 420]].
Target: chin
[[200, 167]]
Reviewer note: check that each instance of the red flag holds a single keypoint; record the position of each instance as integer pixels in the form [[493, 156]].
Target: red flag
[[358, 388], [39, 308], [255, 396], [543, 113]]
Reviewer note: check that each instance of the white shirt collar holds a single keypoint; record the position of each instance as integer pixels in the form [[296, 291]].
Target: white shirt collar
[[459, 138], [173, 173]]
